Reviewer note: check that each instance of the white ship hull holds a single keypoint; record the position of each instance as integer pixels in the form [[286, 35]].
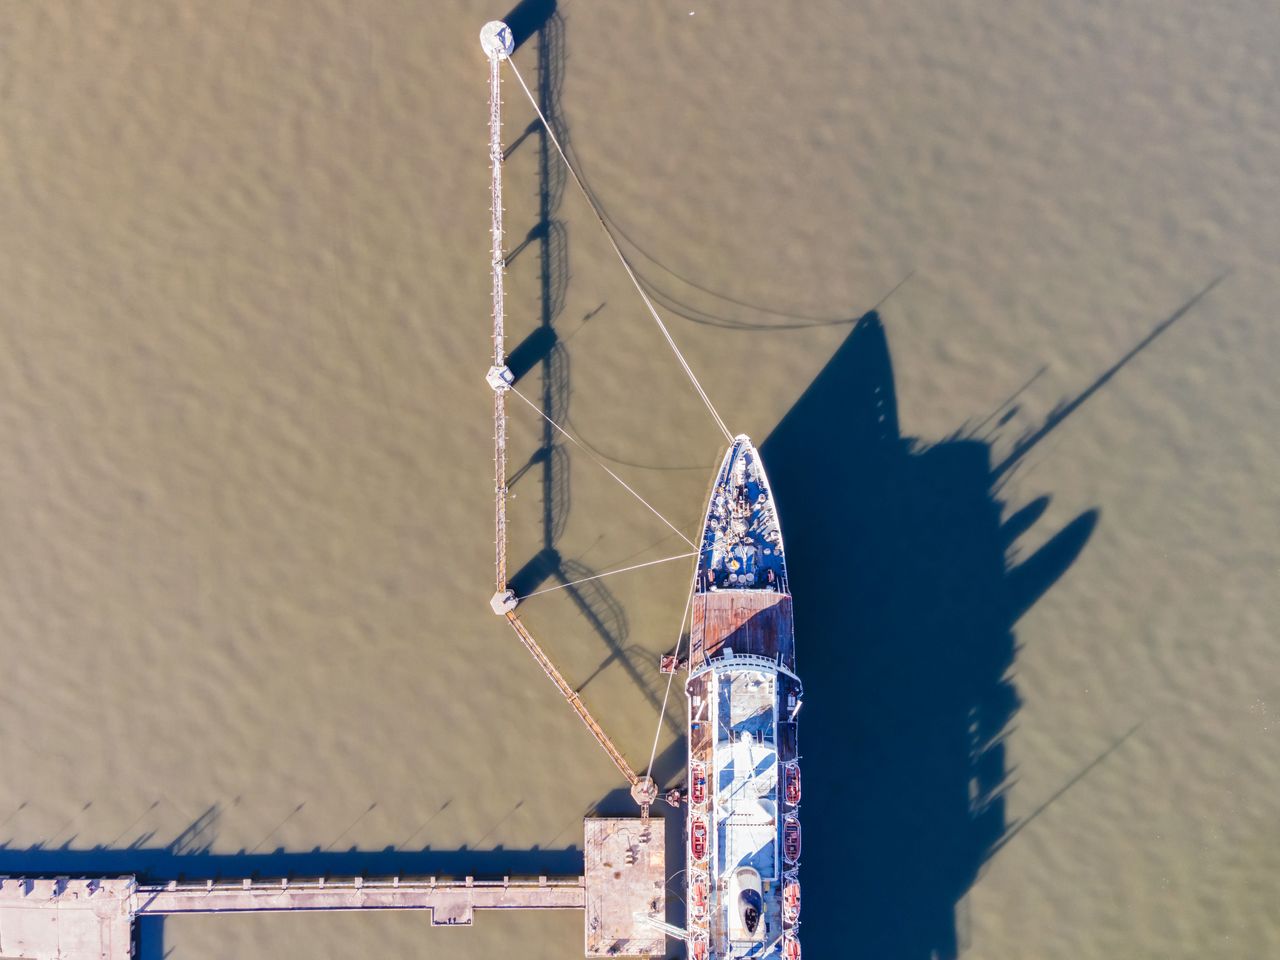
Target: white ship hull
[[742, 827]]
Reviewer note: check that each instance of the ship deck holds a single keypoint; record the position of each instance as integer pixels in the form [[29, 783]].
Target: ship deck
[[756, 622], [737, 741]]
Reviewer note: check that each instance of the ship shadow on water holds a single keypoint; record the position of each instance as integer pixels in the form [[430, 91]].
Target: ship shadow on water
[[905, 604]]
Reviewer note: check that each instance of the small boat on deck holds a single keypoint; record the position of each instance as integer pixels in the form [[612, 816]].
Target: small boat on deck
[[791, 900], [790, 947], [698, 839], [792, 773], [698, 948], [791, 838], [698, 897], [698, 783]]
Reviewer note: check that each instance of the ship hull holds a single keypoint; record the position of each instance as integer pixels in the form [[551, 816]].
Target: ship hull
[[742, 823]]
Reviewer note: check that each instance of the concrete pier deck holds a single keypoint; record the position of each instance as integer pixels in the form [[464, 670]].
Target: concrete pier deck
[[65, 919], [626, 875]]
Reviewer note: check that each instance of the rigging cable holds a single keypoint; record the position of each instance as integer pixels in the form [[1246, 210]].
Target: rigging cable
[[671, 676], [622, 257], [601, 464], [610, 573]]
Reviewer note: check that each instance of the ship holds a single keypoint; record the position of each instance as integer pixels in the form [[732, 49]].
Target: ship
[[742, 821]]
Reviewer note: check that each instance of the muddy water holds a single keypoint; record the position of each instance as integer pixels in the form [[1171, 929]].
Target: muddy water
[[245, 489]]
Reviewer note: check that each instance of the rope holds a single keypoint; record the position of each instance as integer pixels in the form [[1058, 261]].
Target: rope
[[622, 257], [610, 573], [671, 676], [600, 463]]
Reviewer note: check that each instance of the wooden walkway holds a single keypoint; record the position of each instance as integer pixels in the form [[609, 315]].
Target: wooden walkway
[[452, 903], [574, 700]]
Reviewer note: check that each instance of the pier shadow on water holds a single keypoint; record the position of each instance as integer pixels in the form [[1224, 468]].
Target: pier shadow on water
[[905, 608]]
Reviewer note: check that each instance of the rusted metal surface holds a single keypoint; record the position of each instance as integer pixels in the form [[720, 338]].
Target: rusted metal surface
[[752, 622]]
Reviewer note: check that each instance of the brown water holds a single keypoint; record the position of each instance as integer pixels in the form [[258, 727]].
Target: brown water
[[245, 484]]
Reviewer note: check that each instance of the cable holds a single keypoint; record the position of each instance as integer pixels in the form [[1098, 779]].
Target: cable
[[662, 714], [622, 257], [600, 463], [610, 573]]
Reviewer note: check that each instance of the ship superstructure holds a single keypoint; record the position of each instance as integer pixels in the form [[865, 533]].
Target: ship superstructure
[[742, 825]]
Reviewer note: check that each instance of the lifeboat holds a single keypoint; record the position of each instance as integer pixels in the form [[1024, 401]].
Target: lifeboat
[[791, 839], [791, 901], [790, 947], [698, 898], [793, 783], [698, 839], [698, 783], [698, 948]]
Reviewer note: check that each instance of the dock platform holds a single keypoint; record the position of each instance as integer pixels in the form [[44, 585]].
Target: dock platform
[[625, 876], [65, 919]]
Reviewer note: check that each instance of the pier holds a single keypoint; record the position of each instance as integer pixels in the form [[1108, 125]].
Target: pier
[[625, 877], [622, 894], [451, 902], [498, 44]]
